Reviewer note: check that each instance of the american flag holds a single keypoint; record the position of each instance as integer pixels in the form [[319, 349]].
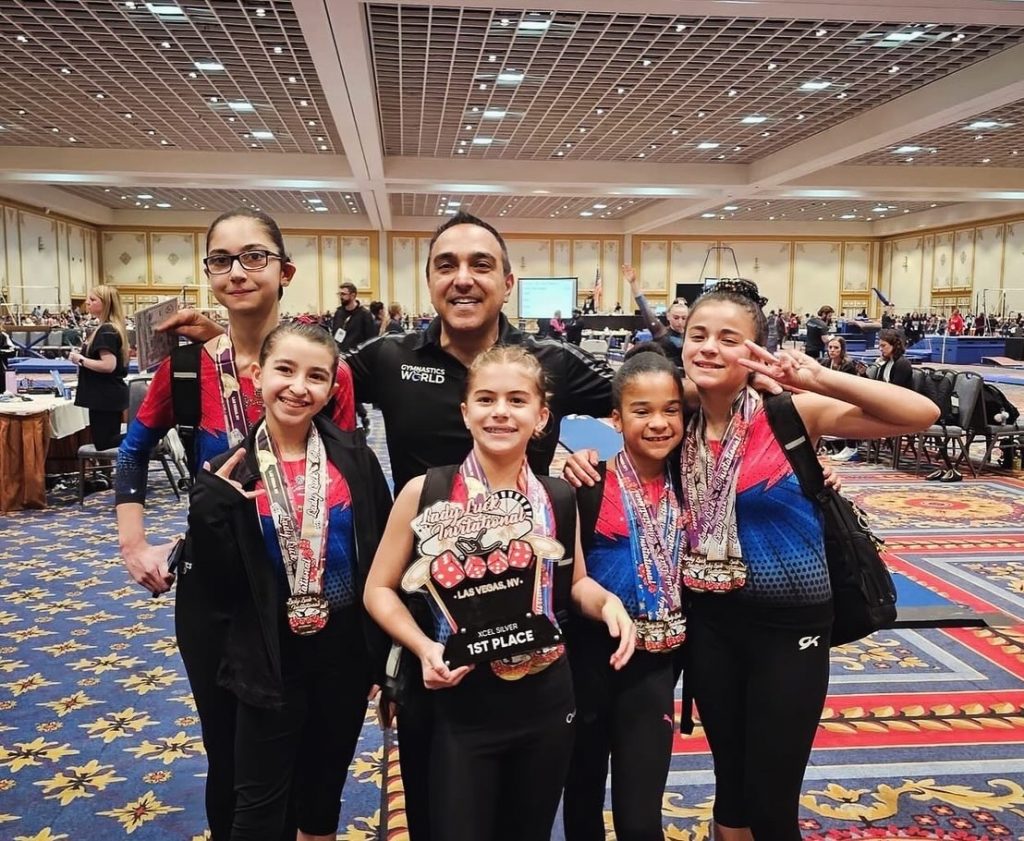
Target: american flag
[[597, 288]]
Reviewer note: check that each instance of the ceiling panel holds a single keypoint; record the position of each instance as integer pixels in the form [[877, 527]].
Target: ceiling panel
[[495, 83], [802, 210], [217, 201], [116, 75], [995, 139], [530, 207]]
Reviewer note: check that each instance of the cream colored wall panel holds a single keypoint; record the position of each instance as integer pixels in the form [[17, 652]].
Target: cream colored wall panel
[[988, 258], [687, 263], [927, 271], [303, 294], [856, 266], [92, 258], [63, 290], [612, 293], [173, 258], [586, 260], [1013, 267], [39, 260], [885, 281], [530, 257], [423, 303], [653, 267], [356, 264], [816, 269], [963, 259], [125, 258], [942, 273], [330, 272], [12, 233], [766, 262], [907, 261], [561, 258], [405, 273], [4, 247]]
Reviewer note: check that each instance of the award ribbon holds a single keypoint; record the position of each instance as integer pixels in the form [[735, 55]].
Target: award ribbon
[[235, 422], [303, 553]]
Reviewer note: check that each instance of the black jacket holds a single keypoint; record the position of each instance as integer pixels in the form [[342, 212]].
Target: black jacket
[[902, 373], [359, 326], [418, 387], [224, 529]]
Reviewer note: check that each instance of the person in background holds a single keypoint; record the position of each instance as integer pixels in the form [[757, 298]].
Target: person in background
[[836, 358], [393, 323], [102, 366], [377, 311], [618, 309], [588, 305], [556, 327], [670, 336], [574, 328], [817, 328], [955, 325], [775, 337], [893, 366], [353, 323]]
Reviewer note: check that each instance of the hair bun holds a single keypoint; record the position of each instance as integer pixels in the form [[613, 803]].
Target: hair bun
[[742, 287]]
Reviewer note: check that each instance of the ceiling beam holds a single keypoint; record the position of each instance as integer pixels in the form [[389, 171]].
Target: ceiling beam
[[335, 34], [978, 12]]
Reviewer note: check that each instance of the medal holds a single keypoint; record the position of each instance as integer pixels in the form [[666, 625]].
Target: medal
[[307, 613]]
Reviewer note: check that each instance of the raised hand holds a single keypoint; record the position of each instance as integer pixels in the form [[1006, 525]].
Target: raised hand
[[191, 324], [630, 276]]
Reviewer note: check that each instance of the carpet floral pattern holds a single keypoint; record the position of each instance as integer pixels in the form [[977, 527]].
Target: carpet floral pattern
[[922, 735]]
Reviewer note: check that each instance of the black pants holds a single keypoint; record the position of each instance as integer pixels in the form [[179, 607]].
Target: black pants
[[201, 625], [106, 428], [627, 715], [500, 755], [415, 737], [299, 755], [759, 689]]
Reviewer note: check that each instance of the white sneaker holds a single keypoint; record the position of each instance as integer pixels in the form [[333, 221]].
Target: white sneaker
[[845, 454]]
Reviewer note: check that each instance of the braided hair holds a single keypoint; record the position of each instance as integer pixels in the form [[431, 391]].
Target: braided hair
[[744, 294]]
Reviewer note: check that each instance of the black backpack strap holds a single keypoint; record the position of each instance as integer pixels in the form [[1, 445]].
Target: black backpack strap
[[588, 504], [791, 433], [437, 485], [185, 402], [563, 501]]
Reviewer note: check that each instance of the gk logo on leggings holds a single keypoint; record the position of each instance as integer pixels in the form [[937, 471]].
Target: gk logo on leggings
[[807, 642]]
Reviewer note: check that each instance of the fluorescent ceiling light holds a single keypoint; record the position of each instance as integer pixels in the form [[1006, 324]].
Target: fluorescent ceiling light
[[162, 204], [879, 210], [207, 65], [708, 145], [143, 196], [320, 209], [454, 204], [753, 119], [482, 141], [494, 114], [848, 216], [906, 150], [508, 78], [708, 215], [314, 201], [586, 213], [241, 106], [904, 36], [533, 25], [815, 86], [981, 124], [600, 206], [263, 135], [730, 207], [166, 10]]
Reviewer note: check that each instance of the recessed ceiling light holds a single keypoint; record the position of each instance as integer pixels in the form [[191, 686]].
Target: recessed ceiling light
[[292, 80], [620, 90], [66, 71], [600, 206], [166, 10], [675, 131], [261, 13], [323, 148], [841, 95], [492, 58], [262, 134], [719, 157], [821, 33], [772, 65], [163, 204], [700, 114], [906, 211], [882, 209], [55, 130], [560, 154], [586, 213], [894, 69], [986, 160], [766, 134], [143, 196], [483, 141], [314, 201], [304, 103], [730, 207], [753, 119], [903, 36], [100, 96], [708, 145], [680, 27], [165, 44], [642, 155], [708, 215], [72, 140], [22, 112], [21, 39], [733, 92], [906, 150], [310, 122], [208, 66], [800, 116], [959, 36], [278, 50], [909, 160], [933, 205], [164, 143], [321, 209], [647, 62]]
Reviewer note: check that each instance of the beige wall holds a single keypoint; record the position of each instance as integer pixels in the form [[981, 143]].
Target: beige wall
[[46, 259], [946, 267], [150, 264], [799, 274]]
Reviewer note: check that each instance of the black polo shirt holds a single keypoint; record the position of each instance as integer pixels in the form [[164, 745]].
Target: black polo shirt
[[418, 387], [104, 392]]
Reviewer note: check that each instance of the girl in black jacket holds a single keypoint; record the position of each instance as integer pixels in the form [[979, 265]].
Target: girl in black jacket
[[288, 522]]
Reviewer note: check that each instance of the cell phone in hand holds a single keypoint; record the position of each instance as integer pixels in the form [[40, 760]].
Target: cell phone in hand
[[174, 559]]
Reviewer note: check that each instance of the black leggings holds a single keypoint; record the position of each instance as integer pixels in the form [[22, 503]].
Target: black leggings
[[501, 751], [415, 736], [299, 755], [759, 690], [628, 715], [106, 428]]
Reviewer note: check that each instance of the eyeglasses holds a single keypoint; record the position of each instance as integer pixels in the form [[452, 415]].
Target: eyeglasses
[[251, 261]]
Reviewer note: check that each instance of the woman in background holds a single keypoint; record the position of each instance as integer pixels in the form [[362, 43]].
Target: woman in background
[[102, 366], [893, 366], [393, 323], [836, 358]]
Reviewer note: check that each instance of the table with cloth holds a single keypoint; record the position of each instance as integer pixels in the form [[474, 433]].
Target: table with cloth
[[26, 428]]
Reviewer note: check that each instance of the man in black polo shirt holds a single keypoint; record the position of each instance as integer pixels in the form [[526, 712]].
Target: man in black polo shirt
[[352, 323], [417, 380]]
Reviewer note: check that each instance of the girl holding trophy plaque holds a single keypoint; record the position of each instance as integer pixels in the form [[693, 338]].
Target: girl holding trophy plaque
[[493, 547], [290, 518]]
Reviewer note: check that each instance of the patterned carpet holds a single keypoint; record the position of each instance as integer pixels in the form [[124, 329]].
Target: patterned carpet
[[922, 736]]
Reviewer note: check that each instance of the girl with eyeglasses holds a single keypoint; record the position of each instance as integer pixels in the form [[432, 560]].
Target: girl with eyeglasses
[[248, 268]]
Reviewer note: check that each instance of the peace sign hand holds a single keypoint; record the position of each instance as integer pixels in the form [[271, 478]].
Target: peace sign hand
[[791, 368], [227, 468]]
